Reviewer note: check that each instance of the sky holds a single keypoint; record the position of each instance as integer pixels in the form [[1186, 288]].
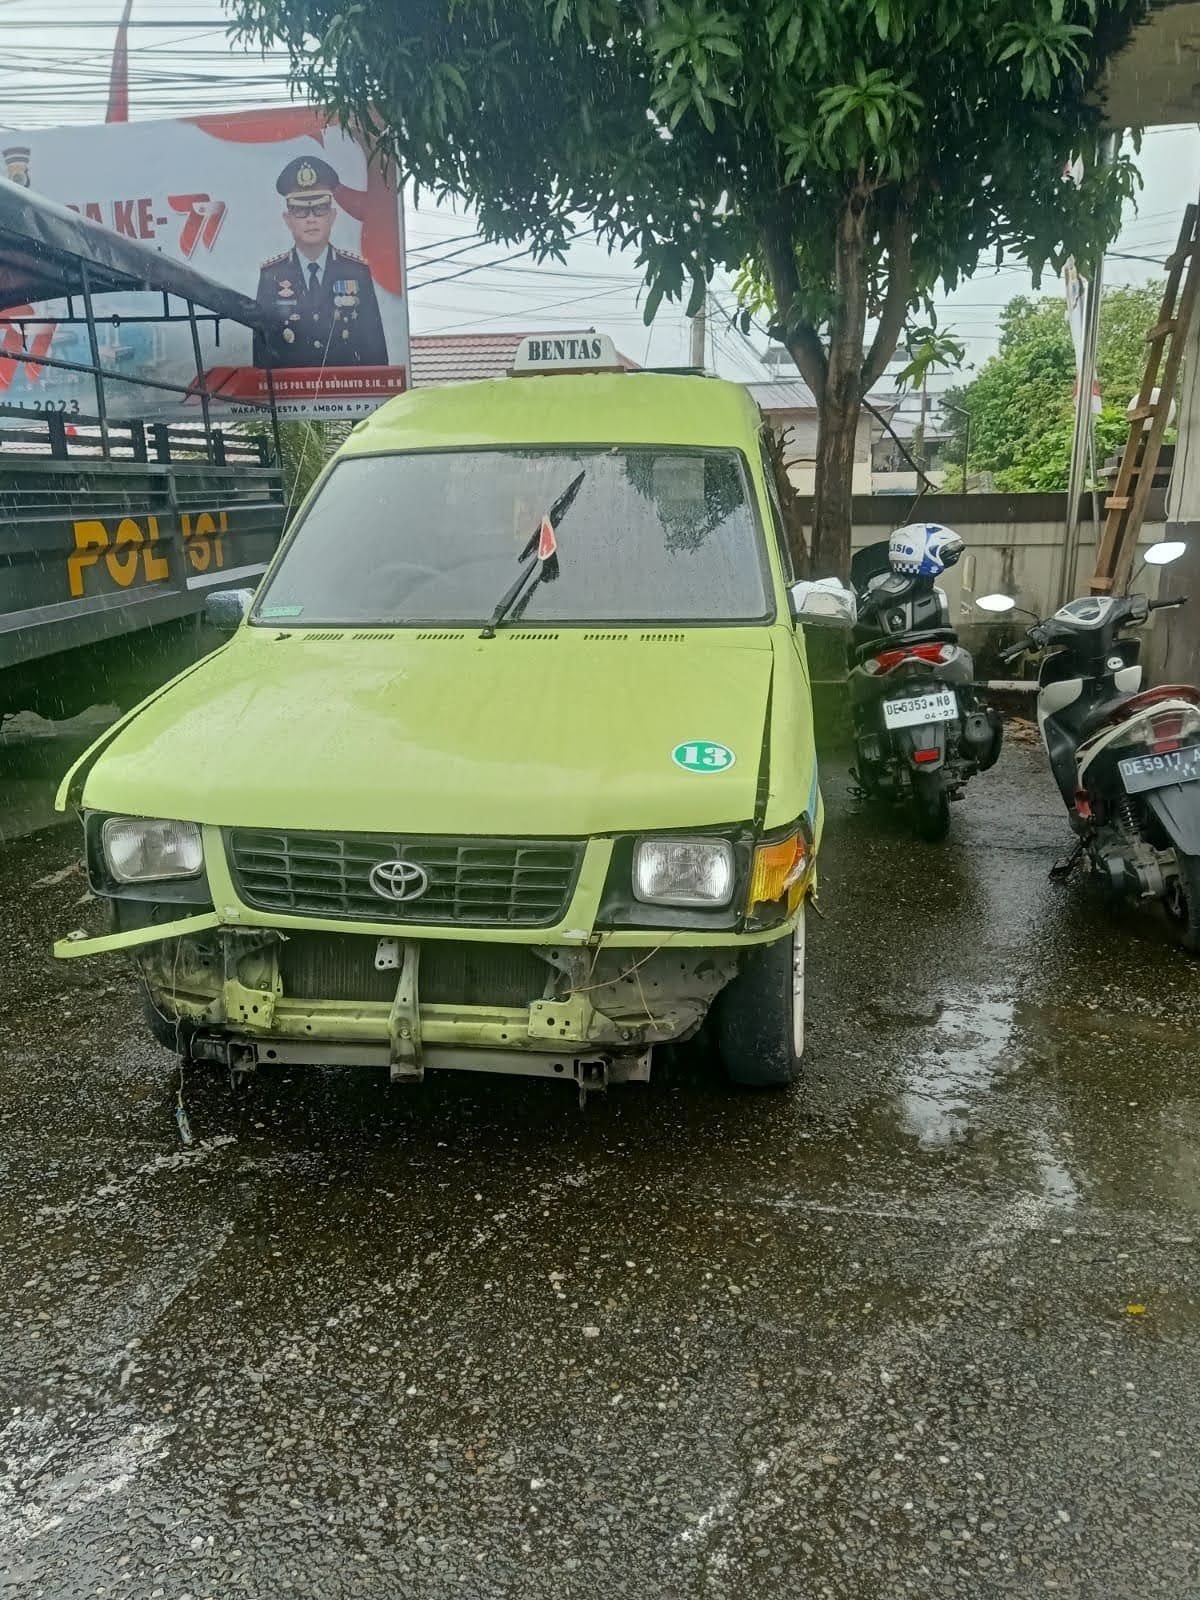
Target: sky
[[55, 70]]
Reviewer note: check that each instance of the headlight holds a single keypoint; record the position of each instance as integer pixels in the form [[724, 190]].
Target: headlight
[[140, 849], [683, 872]]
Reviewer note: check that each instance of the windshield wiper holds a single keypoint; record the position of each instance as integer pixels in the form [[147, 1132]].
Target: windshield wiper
[[534, 571]]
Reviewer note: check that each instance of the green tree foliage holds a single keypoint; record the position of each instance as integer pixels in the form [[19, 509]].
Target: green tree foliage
[[1021, 404], [851, 155]]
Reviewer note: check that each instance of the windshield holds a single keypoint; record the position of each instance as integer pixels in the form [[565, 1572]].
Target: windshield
[[434, 538]]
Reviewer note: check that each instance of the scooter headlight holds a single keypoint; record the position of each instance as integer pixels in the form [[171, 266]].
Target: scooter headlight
[[683, 872], [145, 849]]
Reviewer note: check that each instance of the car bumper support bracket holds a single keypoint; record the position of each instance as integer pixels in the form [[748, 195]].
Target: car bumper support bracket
[[404, 1020]]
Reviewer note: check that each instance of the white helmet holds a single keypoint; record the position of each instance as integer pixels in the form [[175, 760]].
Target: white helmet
[[923, 549]]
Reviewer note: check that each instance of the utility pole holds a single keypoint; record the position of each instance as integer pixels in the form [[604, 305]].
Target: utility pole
[[700, 335], [919, 450]]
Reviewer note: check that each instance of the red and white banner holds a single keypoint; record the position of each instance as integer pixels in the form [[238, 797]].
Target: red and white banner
[[276, 204]]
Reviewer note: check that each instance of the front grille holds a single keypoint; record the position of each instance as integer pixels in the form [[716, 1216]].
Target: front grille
[[341, 966], [471, 881]]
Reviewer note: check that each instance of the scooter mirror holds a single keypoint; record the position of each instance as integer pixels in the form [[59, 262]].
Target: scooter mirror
[[1164, 552], [995, 602]]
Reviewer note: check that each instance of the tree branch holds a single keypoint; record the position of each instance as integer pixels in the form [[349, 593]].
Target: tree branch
[[925, 481], [895, 301], [807, 351], [802, 339]]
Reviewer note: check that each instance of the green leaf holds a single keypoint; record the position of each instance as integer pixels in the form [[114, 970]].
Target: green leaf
[[653, 301], [705, 110]]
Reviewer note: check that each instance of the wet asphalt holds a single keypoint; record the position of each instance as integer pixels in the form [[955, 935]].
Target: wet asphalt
[[928, 1326]]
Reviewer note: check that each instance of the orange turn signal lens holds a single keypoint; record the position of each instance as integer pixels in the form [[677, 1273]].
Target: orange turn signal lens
[[778, 868]]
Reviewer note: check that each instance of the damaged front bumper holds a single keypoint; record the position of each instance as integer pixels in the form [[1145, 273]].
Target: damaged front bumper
[[247, 997]]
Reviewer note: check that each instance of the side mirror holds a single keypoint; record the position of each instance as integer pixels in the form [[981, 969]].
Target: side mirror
[[1164, 552], [823, 603], [227, 608]]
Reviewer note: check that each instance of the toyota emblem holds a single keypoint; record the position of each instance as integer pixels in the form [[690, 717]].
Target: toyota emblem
[[398, 880]]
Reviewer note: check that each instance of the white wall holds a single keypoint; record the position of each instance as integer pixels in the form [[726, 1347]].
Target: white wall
[[800, 429]]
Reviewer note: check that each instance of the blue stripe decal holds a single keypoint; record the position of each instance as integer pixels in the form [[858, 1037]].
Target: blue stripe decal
[[812, 793]]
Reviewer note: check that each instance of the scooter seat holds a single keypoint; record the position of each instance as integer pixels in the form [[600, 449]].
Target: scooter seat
[[1108, 709]]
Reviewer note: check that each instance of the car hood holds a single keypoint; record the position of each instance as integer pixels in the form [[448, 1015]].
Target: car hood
[[527, 734]]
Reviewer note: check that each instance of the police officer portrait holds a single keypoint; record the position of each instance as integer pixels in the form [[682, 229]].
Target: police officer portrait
[[321, 297]]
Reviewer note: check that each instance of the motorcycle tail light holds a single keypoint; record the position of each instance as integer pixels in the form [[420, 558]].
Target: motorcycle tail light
[[922, 756], [1159, 731], [1168, 729], [889, 660]]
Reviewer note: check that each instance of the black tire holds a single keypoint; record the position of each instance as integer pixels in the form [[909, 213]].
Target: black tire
[[930, 806], [754, 1018], [1184, 905]]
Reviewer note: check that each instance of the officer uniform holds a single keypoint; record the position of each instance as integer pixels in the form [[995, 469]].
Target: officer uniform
[[325, 309]]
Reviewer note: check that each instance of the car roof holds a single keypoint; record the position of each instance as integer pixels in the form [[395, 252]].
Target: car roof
[[579, 408]]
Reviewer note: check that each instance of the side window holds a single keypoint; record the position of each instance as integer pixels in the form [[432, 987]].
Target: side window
[[770, 467]]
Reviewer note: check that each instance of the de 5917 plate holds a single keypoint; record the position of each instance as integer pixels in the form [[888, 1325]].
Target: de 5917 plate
[[1155, 771]]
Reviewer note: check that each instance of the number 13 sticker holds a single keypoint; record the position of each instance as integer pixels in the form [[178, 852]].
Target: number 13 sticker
[[700, 755]]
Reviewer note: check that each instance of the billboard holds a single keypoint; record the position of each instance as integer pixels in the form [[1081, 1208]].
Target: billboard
[[276, 204]]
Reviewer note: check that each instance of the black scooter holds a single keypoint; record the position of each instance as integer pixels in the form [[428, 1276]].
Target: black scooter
[[920, 728], [1126, 759]]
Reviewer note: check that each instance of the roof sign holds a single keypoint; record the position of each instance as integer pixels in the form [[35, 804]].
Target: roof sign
[[568, 352]]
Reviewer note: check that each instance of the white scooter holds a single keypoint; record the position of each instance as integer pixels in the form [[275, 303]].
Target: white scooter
[[1126, 759]]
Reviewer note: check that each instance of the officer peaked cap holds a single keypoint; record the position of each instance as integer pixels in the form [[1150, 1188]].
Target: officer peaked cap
[[307, 175]]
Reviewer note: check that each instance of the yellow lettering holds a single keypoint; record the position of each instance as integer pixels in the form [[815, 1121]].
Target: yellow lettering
[[91, 539], [124, 569], [156, 567], [198, 550]]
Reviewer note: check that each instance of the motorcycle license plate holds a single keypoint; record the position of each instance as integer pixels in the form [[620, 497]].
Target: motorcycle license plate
[[1153, 772], [939, 707]]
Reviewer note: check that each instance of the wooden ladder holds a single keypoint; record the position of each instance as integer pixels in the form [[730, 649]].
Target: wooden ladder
[[1126, 505]]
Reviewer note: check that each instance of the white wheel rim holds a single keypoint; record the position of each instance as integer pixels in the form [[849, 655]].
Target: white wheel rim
[[798, 986]]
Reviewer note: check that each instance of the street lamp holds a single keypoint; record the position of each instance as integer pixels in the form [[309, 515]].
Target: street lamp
[[946, 405]]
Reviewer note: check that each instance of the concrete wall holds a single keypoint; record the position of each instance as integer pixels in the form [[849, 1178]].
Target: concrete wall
[[1014, 545], [1174, 655]]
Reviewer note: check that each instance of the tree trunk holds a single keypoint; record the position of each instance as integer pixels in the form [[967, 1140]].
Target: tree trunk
[[832, 505], [840, 374], [842, 397]]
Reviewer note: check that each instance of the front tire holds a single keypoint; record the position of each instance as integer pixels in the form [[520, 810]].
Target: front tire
[[759, 1015], [930, 806]]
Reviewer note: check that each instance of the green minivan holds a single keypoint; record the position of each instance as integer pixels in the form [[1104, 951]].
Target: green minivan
[[508, 765]]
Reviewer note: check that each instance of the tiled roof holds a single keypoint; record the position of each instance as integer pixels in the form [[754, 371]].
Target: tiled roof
[[460, 357]]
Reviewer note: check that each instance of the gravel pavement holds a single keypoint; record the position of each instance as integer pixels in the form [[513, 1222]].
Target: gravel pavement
[[927, 1326]]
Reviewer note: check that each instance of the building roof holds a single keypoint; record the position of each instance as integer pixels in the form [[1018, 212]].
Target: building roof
[[464, 357], [792, 395], [795, 395]]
